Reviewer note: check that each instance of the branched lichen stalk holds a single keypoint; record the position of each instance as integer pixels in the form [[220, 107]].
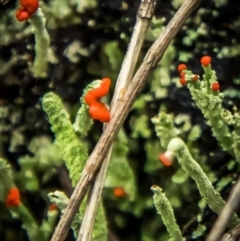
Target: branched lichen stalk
[[40, 65], [164, 127], [74, 151], [83, 122], [236, 144], [210, 103], [233, 120], [205, 187], [165, 210]]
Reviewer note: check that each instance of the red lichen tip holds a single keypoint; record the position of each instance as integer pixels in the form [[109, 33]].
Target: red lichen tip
[[52, 207], [22, 16], [28, 7], [166, 158], [206, 60], [182, 75], [183, 81], [98, 110], [181, 67], [107, 81], [195, 77], [119, 192], [215, 86], [13, 198]]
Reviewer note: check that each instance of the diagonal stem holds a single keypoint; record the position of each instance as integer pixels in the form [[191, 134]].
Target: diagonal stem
[[226, 214], [95, 160]]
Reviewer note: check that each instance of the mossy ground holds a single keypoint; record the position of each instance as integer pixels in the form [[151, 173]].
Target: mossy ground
[[88, 46]]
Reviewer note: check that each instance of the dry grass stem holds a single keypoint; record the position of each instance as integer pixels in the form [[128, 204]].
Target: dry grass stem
[[223, 219]]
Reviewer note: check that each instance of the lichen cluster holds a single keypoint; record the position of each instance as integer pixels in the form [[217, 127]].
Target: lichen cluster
[[182, 133]]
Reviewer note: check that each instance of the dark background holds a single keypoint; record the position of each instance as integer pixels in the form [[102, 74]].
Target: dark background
[[68, 79]]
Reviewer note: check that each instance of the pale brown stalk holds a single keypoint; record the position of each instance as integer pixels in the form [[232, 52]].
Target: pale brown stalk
[[233, 235], [223, 219], [95, 160]]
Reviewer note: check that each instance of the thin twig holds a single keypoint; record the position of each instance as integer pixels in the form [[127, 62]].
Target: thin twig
[[226, 214], [144, 16], [233, 235], [95, 160], [94, 198]]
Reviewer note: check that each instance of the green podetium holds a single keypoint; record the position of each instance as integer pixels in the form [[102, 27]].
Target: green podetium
[[74, 152], [165, 210], [205, 187]]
